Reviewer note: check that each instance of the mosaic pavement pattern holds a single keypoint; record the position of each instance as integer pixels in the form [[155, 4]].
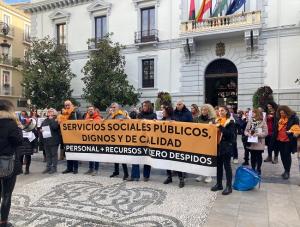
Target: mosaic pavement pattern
[[80, 200]]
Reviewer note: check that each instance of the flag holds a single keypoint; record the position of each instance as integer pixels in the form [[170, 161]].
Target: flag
[[192, 10], [220, 6], [235, 6], [206, 5]]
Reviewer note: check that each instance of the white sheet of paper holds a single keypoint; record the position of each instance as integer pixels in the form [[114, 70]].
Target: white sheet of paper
[[252, 139], [159, 115], [26, 134], [31, 137], [40, 121], [46, 132]]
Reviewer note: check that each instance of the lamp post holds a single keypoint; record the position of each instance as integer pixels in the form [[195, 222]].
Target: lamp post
[[5, 46]]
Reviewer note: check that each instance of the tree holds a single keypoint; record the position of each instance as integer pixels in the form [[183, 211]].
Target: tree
[[104, 76], [262, 97], [163, 98], [46, 74]]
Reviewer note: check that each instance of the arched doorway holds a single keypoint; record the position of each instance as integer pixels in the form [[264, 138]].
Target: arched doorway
[[221, 83]]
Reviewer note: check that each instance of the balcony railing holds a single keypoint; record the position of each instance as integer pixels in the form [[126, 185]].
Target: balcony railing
[[146, 36], [239, 20], [6, 90]]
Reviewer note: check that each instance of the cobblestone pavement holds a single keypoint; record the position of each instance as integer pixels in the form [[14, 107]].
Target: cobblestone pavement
[[80, 200]]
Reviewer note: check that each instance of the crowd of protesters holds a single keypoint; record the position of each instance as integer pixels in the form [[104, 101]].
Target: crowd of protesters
[[276, 127], [272, 126]]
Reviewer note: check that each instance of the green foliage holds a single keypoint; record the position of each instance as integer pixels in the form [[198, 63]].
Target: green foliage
[[262, 96], [163, 98], [46, 74], [105, 79]]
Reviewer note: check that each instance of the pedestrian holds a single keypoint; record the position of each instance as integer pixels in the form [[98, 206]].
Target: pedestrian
[[30, 140], [286, 142], [69, 112], [148, 114], [244, 122], [168, 116], [182, 114], [117, 113], [234, 116], [226, 128], [51, 140], [93, 115], [195, 111], [257, 127], [207, 116], [10, 138], [270, 117]]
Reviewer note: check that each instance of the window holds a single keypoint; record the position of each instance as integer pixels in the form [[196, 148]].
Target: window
[[100, 27], [5, 77], [61, 33], [27, 33], [147, 23], [6, 19], [148, 73]]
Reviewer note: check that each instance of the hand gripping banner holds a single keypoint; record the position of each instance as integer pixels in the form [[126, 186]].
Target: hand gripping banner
[[179, 146]]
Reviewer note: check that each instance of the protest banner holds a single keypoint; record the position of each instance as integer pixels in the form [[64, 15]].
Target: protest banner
[[180, 146]]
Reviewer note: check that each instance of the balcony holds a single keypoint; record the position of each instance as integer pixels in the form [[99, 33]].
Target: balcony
[[222, 25], [147, 36], [6, 90]]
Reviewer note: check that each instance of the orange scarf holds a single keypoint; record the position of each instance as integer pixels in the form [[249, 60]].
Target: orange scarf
[[282, 123], [295, 129], [221, 120], [65, 114]]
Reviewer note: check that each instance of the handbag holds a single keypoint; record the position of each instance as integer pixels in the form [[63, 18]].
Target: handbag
[[7, 164]]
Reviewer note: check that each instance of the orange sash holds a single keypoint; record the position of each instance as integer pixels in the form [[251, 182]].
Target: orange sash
[[282, 123]]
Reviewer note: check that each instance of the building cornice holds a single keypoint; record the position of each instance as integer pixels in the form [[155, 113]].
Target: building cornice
[[52, 4], [137, 3], [99, 6]]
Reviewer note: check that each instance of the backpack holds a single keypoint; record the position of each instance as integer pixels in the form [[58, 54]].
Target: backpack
[[245, 179]]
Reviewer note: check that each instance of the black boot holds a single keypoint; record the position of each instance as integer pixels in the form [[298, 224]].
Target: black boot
[[181, 183], [114, 174], [227, 190], [217, 187], [168, 180], [286, 175]]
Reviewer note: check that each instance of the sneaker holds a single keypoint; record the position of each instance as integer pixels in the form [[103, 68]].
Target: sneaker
[[235, 161], [208, 179], [199, 178], [90, 171]]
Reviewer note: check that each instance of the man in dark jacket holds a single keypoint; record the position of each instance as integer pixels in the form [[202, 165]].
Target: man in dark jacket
[[70, 113], [182, 113], [51, 140]]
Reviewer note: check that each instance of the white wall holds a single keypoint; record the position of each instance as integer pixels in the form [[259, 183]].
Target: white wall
[[280, 13]]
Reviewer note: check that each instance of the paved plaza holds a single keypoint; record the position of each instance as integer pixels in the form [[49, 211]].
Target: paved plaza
[[81, 200]]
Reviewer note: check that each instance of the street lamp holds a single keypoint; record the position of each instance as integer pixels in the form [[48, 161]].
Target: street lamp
[[5, 46]]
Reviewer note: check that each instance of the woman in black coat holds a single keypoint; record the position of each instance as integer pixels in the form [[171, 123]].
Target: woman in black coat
[[227, 138], [10, 138], [286, 143]]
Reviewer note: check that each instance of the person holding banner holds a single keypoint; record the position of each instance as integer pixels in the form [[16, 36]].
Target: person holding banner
[[51, 140], [181, 113], [286, 142], [207, 116], [117, 113], [225, 149], [70, 113], [148, 114], [93, 115]]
